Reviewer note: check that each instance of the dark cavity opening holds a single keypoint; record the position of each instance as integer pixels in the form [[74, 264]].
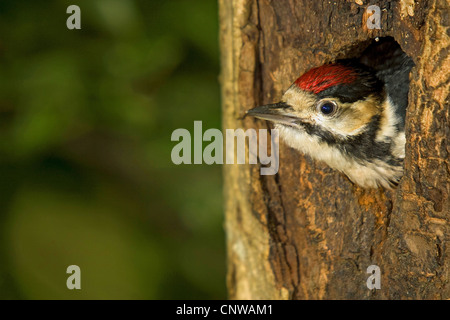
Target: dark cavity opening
[[392, 65]]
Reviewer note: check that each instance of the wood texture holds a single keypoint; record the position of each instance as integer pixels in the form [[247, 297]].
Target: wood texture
[[308, 232]]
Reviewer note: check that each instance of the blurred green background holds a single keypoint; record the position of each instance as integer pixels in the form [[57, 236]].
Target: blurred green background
[[86, 177]]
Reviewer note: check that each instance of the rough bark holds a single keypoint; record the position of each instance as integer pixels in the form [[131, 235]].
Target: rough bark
[[308, 232]]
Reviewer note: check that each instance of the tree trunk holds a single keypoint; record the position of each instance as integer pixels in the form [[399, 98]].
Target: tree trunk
[[308, 232]]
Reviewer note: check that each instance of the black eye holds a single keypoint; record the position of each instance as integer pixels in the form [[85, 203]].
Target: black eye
[[327, 107]]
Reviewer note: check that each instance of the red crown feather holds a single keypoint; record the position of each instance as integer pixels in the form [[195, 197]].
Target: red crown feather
[[324, 77]]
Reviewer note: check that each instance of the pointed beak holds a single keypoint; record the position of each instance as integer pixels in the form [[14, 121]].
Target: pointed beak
[[277, 112]]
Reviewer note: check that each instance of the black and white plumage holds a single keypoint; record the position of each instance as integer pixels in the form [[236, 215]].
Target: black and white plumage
[[350, 114]]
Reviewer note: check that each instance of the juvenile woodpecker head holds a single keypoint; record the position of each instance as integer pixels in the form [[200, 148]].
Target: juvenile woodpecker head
[[343, 114]]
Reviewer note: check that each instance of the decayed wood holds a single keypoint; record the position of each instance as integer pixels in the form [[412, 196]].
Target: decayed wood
[[308, 232]]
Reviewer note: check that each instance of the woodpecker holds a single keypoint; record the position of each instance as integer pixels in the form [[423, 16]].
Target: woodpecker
[[350, 114]]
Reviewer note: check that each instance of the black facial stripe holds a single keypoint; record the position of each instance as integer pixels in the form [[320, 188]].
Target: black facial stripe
[[362, 146]]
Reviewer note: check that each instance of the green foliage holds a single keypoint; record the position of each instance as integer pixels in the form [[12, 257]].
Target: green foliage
[[86, 176]]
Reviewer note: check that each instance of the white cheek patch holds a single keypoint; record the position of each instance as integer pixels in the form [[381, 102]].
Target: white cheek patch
[[351, 123], [343, 133]]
